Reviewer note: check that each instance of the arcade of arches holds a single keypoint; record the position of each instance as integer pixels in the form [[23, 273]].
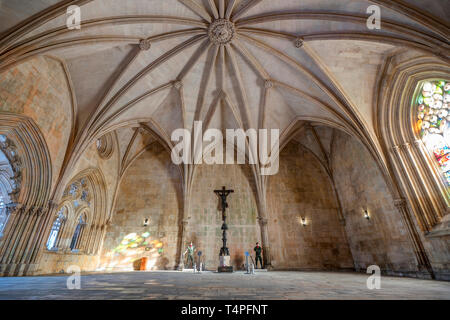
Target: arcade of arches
[[86, 117]]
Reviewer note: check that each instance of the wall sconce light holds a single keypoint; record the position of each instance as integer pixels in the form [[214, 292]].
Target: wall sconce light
[[146, 222], [303, 221], [366, 215]]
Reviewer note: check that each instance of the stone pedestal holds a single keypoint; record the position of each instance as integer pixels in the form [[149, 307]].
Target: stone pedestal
[[225, 264]]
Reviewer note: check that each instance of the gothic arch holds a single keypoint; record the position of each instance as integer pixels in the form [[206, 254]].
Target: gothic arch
[[93, 207], [29, 156], [418, 179]]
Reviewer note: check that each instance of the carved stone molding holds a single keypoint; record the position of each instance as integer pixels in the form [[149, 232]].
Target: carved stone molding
[[221, 31], [145, 44], [222, 94], [400, 203], [177, 84], [140, 130], [298, 43], [268, 84], [263, 221], [52, 205], [9, 149], [12, 208], [406, 146], [105, 145]]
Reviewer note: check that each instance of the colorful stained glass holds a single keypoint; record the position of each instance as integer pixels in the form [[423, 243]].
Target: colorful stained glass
[[433, 122]]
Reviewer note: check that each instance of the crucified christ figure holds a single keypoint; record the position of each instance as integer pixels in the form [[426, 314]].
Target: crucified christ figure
[[223, 194]]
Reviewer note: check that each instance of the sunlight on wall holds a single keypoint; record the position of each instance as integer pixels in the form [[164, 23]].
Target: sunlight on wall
[[133, 247]]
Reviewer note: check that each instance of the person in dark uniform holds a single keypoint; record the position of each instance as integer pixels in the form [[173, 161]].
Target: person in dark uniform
[[258, 251]]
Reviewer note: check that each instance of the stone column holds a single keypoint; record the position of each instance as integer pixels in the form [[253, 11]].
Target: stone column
[[424, 264], [183, 229], [433, 178], [22, 240], [429, 206], [405, 179], [265, 242], [98, 241]]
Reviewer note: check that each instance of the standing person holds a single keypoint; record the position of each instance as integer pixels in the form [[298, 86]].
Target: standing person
[[258, 251], [190, 251]]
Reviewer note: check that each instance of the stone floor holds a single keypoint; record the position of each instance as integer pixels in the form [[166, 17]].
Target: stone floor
[[209, 285]]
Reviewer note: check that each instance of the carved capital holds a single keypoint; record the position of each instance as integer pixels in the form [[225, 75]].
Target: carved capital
[[263, 221], [12, 208], [52, 205], [400, 203], [419, 144], [406, 146], [41, 211], [20, 210]]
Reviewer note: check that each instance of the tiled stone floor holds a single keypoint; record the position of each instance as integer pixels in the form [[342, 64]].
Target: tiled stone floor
[[209, 285]]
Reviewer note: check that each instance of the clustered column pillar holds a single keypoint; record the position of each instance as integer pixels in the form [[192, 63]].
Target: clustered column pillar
[[22, 239], [438, 193], [419, 250], [265, 242], [183, 227]]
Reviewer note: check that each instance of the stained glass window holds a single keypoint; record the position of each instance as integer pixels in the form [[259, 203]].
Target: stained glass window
[[3, 216], [56, 228], [433, 122]]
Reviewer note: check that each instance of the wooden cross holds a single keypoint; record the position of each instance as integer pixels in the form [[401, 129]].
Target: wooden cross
[[223, 194]]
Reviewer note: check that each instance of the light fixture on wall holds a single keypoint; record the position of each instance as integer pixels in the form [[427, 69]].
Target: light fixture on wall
[[366, 214], [303, 221], [146, 222]]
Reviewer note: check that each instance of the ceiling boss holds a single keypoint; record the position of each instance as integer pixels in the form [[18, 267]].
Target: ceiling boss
[[221, 31]]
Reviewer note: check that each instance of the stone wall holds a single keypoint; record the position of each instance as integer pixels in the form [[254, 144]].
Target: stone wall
[[59, 262], [54, 262], [39, 89], [382, 240], [109, 168], [301, 189], [438, 250], [151, 188], [204, 227]]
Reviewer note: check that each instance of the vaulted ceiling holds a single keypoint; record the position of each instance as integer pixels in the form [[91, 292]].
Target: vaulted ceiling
[[163, 64]]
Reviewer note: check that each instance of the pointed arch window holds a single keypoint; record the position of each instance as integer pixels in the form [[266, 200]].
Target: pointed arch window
[[56, 230], [3, 215], [7, 184], [77, 235], [433, 123]]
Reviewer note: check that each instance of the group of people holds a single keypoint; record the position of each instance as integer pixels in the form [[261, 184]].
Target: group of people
[[190, 250]]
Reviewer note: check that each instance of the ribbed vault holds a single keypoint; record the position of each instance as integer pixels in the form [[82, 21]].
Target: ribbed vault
[[141, 69]]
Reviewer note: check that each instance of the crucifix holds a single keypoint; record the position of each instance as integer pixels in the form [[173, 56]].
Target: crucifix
[[223, 194]]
